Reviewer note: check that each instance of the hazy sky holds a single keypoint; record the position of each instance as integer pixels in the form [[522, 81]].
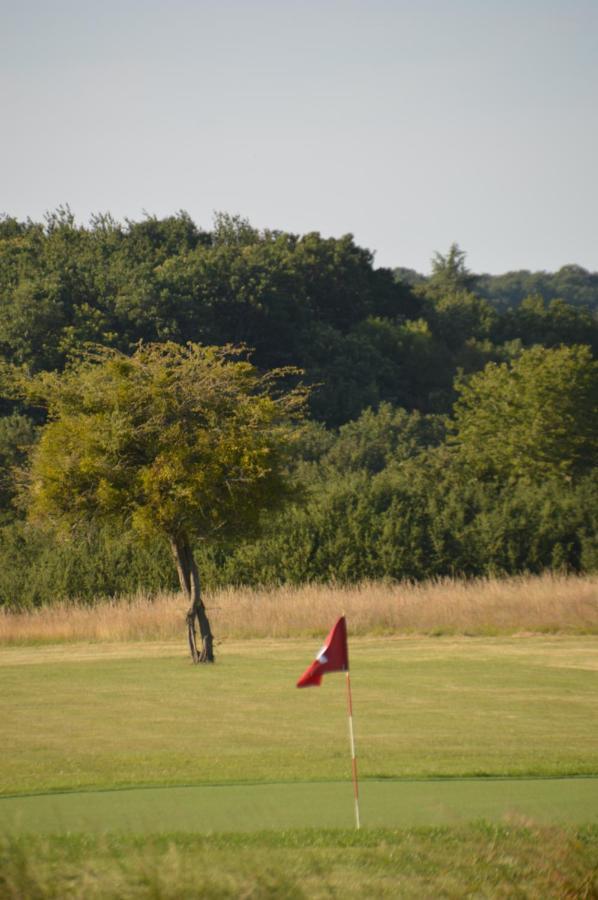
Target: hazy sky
[[410, 124]]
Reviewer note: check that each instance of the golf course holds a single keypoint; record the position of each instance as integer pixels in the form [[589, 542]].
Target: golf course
[[128, 772], [299, 450]]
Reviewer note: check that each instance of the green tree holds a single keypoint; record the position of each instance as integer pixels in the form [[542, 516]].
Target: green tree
[[388, 435], [575, 285], [533, 418], [536, 322], [450, 275], [459, 316], [187, 442], [17, 435]]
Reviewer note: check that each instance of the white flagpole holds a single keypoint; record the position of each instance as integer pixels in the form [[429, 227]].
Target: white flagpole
[[353, 756]]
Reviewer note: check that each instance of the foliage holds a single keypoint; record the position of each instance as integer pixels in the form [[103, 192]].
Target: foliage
[[379, 437], [17, 435], [450, 275], [386, 498], [391, 361], [308, 301], [40, 568], [171, 440], [160, 280], [534, 418], [535, 321], [573, 284], [457, 317]]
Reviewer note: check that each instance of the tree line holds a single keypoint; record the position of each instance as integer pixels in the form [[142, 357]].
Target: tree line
[[450, 429]]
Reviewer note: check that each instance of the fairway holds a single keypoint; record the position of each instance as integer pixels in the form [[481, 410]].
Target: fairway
[[103, 716]]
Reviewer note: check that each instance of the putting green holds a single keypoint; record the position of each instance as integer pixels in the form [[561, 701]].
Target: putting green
[[249, 807]]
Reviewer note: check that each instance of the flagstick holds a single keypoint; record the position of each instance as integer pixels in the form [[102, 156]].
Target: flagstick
[[353, 757]]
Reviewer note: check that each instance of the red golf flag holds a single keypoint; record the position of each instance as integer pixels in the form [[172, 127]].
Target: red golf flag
[[333, 657]]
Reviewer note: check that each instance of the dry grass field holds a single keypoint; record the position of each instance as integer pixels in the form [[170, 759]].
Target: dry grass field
[[546, 604]]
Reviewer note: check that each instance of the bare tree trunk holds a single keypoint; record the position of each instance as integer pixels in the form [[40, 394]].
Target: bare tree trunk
[[191, 587]]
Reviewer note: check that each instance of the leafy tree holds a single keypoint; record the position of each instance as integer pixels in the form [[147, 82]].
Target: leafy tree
[[450, 275], [377, 439], [186, 442], [459, 316], [534, 418]]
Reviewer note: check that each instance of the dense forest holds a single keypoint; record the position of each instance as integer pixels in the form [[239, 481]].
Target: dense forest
[[453, 422]]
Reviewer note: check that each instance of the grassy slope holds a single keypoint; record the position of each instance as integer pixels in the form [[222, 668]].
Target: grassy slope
[[99, 716]]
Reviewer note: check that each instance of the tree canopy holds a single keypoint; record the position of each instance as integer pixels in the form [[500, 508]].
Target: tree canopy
[[532, 418], [453, 420]]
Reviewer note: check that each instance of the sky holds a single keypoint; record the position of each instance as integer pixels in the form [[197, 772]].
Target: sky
[[411, 124]]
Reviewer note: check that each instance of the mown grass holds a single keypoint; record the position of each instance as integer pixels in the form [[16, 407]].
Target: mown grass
[[538, 604], [97, 715], [399, 803], [509, 860]]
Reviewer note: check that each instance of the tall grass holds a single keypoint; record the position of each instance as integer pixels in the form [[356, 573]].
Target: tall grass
[[482, 860], [541, 604]]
